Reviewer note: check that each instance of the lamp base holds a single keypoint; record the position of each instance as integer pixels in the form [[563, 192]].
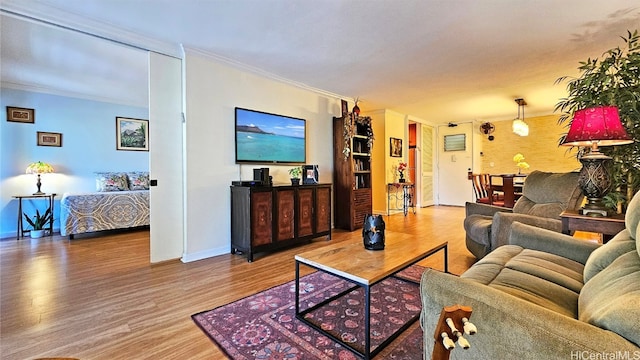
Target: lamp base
[[594, 208], [595, 182], [39, 193]]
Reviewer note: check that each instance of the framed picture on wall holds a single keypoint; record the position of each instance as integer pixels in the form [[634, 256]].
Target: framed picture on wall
[[344, 107], [49, 139], [395, 147], [132, 134], [22, 115]]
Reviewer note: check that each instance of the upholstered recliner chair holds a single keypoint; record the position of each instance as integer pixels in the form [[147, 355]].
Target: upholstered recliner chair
[[545, 195], [546, 295]]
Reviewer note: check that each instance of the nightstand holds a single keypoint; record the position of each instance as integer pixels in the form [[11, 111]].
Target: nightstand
[[607, 226], [48, 197]]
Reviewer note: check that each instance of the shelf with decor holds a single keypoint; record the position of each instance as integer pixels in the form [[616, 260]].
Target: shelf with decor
[[353, 139]]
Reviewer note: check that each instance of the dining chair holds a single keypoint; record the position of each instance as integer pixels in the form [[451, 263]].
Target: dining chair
[[483, 191]]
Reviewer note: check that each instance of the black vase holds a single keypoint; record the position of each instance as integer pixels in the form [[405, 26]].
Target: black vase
[[373, 232], [295, 181]]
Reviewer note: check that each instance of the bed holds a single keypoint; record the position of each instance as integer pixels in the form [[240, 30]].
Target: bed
[[120, 202], [98, 211]]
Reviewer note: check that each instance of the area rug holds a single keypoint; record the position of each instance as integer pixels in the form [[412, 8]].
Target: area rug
[[263, 326]]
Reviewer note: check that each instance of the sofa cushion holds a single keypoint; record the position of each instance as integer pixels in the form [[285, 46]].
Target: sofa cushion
[[603, 256], [611, 299], [548, 194], [632, 219], [478, 227], [544, 279]]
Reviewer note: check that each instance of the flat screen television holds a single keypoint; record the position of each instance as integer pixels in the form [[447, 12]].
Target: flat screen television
[[269, 138]]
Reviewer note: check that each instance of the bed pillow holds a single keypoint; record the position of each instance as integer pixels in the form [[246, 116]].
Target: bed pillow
[[111, 181], [138, 180]]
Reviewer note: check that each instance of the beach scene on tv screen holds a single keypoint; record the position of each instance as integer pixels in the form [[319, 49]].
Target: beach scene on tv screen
[[269, 138]]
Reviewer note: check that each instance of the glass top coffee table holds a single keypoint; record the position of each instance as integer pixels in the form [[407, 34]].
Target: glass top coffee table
[[350, 261]]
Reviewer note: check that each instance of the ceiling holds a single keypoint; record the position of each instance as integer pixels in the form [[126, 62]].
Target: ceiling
[[440, 61]]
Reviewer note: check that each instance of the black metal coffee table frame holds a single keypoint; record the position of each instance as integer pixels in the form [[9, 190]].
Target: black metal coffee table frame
[[368, 353]]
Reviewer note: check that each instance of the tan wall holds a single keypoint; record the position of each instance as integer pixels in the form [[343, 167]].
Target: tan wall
[[386, 124], [540, 148]]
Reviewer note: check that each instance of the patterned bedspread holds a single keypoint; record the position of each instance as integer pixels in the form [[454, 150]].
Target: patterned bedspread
[[82, 213]]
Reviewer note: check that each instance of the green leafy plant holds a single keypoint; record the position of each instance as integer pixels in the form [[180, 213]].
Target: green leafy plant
[[38, 221], [612, 80], [295, 172]]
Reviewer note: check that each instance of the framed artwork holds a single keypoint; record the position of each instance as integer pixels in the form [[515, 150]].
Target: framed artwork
[[345, 107], [395, 147], [49, 139], [310, 174], [22, 115], [132, 134]]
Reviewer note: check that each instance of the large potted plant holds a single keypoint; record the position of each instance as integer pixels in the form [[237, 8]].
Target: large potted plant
[[38, 222], [612, 80]]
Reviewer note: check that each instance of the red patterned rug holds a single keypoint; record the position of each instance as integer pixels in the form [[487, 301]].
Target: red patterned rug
[[263, 326]]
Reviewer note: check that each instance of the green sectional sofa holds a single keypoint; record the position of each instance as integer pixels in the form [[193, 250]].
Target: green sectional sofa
[[546, 295]]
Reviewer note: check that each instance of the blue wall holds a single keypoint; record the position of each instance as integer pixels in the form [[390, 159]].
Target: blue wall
[[88, 145]]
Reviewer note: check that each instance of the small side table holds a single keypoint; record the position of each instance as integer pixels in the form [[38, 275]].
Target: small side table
[[607, 226], [20, 229], [404, 197]]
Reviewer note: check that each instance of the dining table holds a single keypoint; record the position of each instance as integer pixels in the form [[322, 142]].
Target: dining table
[[510, 185]]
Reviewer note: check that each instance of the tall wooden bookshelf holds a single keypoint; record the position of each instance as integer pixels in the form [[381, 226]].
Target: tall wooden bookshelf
[[352, 141]]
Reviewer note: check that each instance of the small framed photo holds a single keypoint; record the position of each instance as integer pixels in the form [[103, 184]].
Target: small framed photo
[[22, 115], [310, 174], [132, 134], [49, 139], [344, 107], [395, 147]]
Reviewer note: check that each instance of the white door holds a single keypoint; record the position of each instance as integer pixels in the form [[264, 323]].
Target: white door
[[426, 165], [453, 186], [165, 157]]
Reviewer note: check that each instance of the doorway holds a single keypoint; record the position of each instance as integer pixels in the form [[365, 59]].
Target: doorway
[[455, 157]]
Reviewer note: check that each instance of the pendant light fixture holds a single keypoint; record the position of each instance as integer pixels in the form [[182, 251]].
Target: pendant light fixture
[[519, 126]]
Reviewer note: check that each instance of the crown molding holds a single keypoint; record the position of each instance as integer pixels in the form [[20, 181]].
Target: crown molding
[[71, 94], [260, 72], [51, 16]]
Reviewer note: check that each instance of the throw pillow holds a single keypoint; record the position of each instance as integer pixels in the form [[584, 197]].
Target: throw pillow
[[111, 181], [138, 180]]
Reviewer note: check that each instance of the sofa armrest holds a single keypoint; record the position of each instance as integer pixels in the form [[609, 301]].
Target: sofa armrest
[[509, 327], [483, 209], [501, 225], [535, 238]]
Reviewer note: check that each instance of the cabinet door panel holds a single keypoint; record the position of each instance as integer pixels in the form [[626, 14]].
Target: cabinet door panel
[[261, 224], [323, 209], [305, 212], [284, 211]]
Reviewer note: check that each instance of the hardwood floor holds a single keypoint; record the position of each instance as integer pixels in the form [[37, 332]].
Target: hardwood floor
[[99, 298]]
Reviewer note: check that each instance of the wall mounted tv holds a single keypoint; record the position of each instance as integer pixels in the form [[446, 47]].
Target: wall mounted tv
[[269, 138]]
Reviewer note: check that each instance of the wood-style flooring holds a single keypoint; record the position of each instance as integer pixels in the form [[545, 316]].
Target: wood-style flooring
[[99, 298]]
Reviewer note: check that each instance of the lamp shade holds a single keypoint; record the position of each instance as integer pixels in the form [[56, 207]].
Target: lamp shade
[[600, 125], [520, 127], [39, 167]]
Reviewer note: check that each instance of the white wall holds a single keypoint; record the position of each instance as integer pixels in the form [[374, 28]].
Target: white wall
[[212, 92], [88, 145]]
